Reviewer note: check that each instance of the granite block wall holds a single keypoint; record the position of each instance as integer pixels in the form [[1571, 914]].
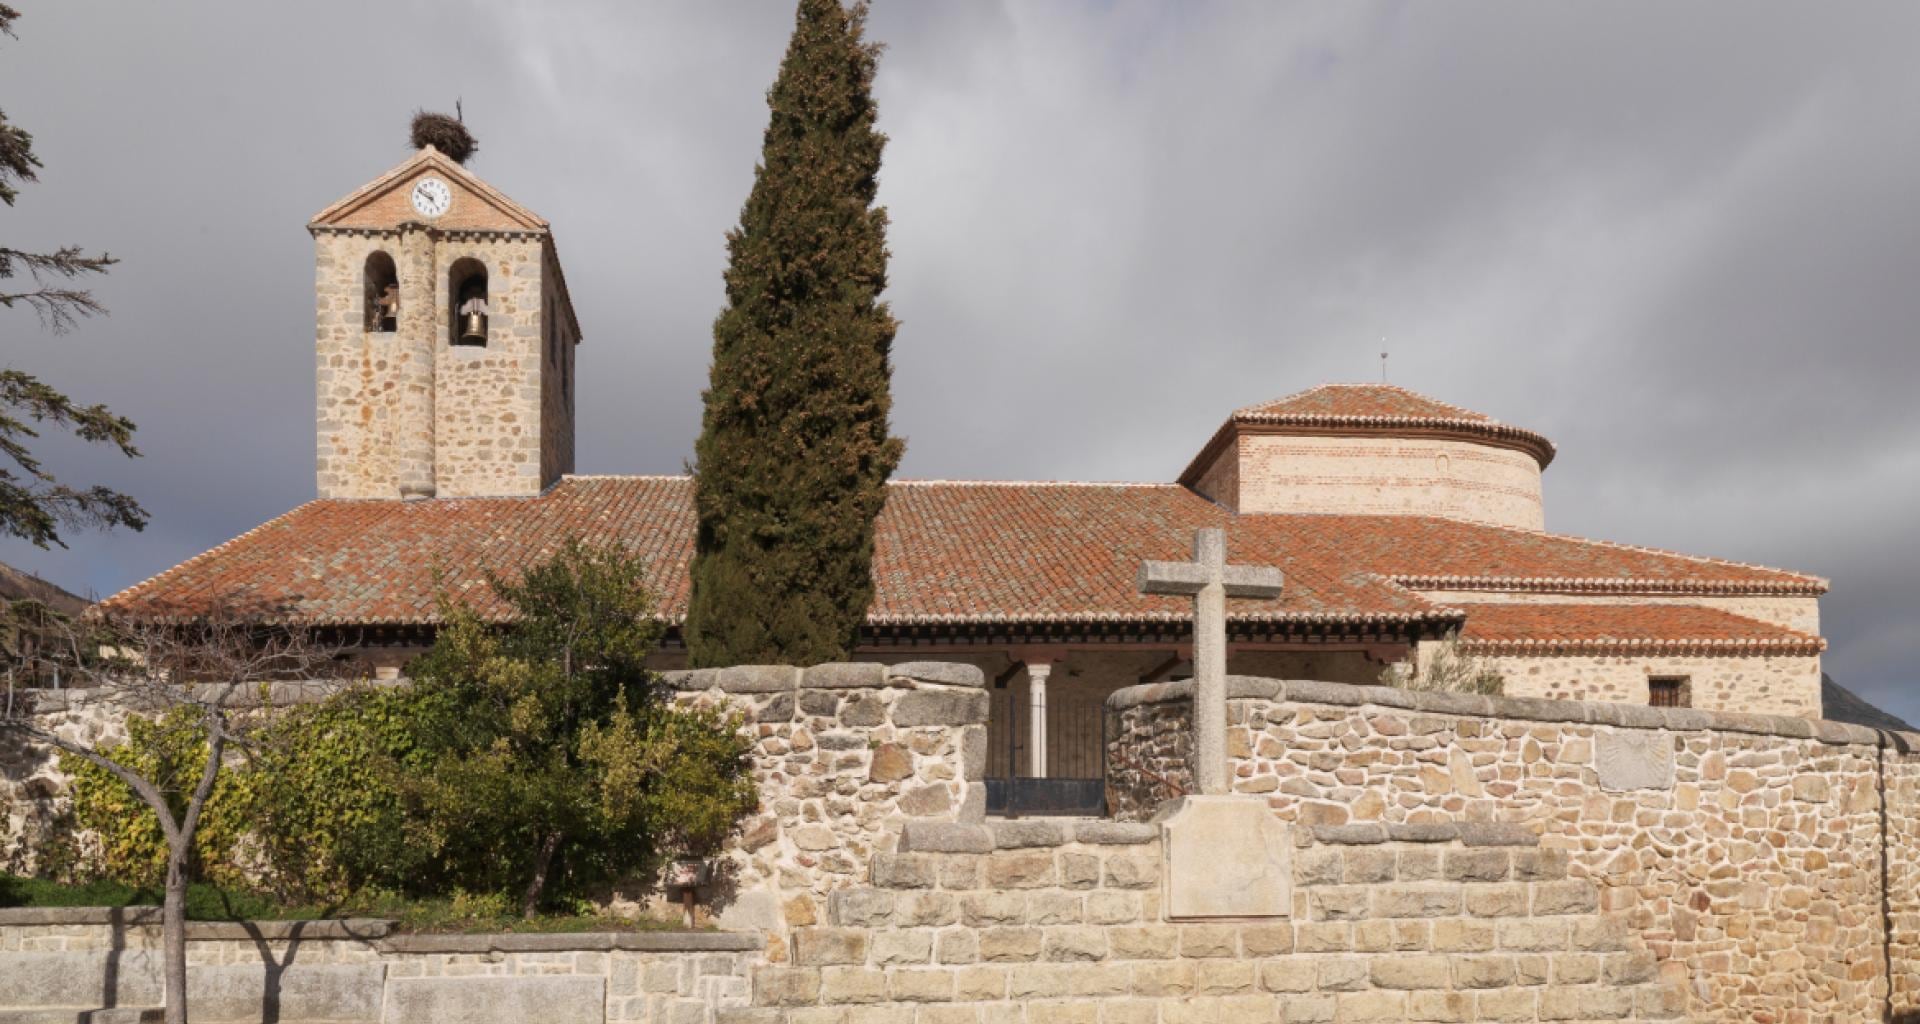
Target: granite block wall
[[1768, 863]]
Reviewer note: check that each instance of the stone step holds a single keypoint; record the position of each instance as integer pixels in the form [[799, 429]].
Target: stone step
[[84, 1015]]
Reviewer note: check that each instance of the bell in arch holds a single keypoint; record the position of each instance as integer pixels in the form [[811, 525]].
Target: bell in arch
[[472, 312], [473, 328]]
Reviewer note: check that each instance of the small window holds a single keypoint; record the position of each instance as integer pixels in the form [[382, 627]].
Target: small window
[[382, 300], [467, 285], [1669, 692]]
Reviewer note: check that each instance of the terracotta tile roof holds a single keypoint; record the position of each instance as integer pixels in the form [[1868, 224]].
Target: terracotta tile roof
[[960, 552], [946, 552], [1625, 629], [1355, 401], [1430, 553], [1383, 409]]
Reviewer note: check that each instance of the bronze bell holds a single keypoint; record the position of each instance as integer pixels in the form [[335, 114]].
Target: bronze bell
[[473, 329]]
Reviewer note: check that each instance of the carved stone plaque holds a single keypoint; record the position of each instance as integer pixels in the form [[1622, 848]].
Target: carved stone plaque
[[1226, 856]]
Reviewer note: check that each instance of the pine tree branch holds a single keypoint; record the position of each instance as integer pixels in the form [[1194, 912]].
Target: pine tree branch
[[17, 162], [60, 308], [34, 506]]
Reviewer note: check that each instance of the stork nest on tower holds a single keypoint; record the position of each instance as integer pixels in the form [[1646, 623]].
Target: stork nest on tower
[[449, 135]]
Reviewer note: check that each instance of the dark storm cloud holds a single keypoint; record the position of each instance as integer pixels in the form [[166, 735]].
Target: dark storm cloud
[[1679, 239]]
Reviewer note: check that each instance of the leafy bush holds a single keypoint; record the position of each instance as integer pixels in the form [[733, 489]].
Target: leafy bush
[[1446, 669], [121, 839], [533, 762], [559, 764], [327, 785]]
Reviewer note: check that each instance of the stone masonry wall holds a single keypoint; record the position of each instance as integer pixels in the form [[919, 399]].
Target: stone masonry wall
[[845, 755], [488, 403], [1747, 851], [1780, 685], [33, 789], [406, 413], [60, 963], [1052, 922]]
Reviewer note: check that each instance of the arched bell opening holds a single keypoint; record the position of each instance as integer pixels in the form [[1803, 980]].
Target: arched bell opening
[[467, 284], [381, 309]]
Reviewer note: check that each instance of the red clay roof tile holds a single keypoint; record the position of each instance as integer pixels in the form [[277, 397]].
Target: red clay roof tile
[[1625, 629], [945, 552]]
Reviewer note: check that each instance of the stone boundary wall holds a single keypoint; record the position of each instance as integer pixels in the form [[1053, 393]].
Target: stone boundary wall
[[1052, 922], [844, 754], [33, 789], [1771, 865], [61, 963]]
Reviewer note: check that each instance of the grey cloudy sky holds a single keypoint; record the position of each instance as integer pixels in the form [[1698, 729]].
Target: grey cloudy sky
[[1679, 239]]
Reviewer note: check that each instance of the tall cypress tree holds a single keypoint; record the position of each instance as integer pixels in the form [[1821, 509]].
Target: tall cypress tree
[[794, 454]]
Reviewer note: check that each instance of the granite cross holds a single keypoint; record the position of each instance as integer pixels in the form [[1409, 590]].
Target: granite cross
[[1211, 581]]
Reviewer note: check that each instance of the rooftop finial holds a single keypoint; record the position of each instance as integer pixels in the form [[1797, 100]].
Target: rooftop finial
[[1383, 363]]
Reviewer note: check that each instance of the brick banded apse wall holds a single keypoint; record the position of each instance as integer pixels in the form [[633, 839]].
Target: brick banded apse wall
[[1768, 864]]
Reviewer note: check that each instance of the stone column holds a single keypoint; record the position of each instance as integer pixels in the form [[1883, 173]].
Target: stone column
[[1037, 672], [415, 346], [1210, 669]]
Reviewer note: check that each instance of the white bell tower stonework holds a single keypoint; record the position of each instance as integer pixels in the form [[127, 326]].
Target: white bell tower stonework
[[445, 340]]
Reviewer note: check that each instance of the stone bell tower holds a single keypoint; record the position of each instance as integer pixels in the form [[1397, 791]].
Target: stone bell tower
[[445, 340]]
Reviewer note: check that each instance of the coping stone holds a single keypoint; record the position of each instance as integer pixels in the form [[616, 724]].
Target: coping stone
[[586, 942], [149, 917], [940, 707], [759, 678], [1423, 832], [1487, 833], [692, 680], [845, 675], [362, 928], [1627, 760], [1244, 687], [950, 673], [1364, 834], [139, 915], [945, 837], [1017, 835], [550, 999], [1526, 709], [1115, 833]]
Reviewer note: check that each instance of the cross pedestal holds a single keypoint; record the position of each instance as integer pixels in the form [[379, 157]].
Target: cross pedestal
[[1210, 581]]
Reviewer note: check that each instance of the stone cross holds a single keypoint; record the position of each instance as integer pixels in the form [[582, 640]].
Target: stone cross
[[1211, 581]]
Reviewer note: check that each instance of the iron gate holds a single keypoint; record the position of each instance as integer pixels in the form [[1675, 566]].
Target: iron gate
[[1076, 782]]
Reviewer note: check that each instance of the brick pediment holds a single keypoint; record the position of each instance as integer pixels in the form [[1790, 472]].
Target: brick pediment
[[385, 203]]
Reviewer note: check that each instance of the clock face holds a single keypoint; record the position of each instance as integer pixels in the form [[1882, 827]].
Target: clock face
[[431, 197]]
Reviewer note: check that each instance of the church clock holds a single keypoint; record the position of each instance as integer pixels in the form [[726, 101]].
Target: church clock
[[431, 197]]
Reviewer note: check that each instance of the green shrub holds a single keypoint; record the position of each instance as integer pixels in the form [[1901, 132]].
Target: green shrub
[[565, 766], [533, 762], [328, 815], [122, 840]]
